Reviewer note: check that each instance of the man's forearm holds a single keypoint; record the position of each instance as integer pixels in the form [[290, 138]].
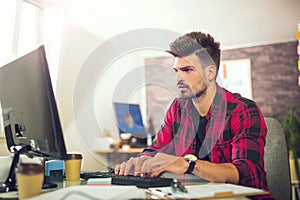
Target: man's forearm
[[225, 172]]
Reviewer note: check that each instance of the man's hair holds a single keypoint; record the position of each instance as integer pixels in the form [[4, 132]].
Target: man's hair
[[202, 45]]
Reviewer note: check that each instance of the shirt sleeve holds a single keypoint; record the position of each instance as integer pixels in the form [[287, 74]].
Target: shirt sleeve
[[249, 128]]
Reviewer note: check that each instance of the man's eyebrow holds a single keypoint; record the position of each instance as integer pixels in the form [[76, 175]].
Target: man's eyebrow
[[184, 68]]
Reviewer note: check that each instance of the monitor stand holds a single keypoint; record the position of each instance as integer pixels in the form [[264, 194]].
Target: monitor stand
[[10, 184]]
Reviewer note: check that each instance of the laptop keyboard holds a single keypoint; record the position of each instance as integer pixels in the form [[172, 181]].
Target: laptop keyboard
[[142, 182]]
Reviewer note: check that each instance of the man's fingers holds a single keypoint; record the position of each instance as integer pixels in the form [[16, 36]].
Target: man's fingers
[[157, 172], [129, 164], [117, 168], [146, 168], [122, 168], [132, 166], [138, 166]]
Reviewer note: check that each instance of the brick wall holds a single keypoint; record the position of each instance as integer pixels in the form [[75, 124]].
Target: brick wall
[[274, 75]]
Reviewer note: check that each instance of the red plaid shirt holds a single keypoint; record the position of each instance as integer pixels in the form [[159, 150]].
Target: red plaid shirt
[[235, 133]]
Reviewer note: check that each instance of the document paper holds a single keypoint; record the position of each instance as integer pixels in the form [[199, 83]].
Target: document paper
[[211, 190]]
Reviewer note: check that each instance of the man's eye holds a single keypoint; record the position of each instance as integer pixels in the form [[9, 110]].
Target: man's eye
[[187, 70]]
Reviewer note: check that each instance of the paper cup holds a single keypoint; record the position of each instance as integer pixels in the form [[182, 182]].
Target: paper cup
[[30, 177], [73, 166]]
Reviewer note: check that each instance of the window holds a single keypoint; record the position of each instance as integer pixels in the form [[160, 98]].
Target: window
[[28, 24], [29, 28]]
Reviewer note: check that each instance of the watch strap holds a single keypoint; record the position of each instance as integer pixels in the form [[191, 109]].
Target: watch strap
[[191, 167]]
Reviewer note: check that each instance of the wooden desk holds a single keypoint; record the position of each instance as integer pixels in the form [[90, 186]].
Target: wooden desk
[[116, 156]]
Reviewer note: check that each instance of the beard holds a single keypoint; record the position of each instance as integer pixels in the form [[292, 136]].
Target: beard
[[190, 94]]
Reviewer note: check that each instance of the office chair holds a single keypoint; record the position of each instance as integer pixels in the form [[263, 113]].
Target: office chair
[[276, 161]]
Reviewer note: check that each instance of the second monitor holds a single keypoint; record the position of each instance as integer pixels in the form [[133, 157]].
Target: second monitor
[[129, 120]]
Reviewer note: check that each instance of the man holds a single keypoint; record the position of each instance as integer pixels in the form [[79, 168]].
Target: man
[[208, 131]]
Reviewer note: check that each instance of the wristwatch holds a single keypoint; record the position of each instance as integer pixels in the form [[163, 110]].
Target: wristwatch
[[191, 159]]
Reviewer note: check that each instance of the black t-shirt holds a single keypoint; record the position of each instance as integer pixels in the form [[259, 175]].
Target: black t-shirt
[[200, 135]]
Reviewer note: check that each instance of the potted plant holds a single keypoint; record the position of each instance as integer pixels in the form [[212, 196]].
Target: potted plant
[[291, 126]]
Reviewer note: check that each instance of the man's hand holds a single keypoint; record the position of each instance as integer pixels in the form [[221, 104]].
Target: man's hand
[[147, 166], [132, 166], [161, 163]]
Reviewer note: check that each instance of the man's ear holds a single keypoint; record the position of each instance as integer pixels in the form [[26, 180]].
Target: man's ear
[[211, 72]]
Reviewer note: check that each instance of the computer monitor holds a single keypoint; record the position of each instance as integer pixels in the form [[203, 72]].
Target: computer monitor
[[30, 116], [129, 120]]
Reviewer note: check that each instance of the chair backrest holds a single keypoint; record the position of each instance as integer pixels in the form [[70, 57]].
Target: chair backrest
[[276, 161]]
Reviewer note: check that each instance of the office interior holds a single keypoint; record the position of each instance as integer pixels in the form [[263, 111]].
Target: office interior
[[104, 40]]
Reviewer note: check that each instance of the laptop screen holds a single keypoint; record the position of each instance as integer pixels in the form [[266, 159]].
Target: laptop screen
[[129, 119]]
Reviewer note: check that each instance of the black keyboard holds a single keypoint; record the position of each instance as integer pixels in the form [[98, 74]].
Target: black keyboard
[[142, 182]]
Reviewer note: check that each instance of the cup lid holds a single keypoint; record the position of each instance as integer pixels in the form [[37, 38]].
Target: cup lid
[[73, 156], [30, 168]]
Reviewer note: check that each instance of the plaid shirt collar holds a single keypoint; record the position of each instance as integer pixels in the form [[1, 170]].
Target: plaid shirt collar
[[215, 107]]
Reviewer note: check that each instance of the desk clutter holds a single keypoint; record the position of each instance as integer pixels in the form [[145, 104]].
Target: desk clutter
[[45, 173], [107, 185], [207, 191], [54, 171]]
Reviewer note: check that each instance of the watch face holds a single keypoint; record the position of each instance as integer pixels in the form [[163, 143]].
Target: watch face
[[190, 157]]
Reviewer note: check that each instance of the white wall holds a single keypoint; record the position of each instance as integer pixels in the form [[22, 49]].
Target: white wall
[[85, 102], [76, 48], [233, 22]]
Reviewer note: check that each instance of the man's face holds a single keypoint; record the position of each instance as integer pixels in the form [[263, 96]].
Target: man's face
[[191, 80]]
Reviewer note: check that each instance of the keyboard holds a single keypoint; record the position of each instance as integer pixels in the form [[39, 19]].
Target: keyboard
[[142, 182]]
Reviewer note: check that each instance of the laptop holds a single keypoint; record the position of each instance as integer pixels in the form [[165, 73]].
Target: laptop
[[129, 120]]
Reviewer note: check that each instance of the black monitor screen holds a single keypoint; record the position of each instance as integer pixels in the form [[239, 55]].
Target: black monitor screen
[[29, 110], [129, 119]]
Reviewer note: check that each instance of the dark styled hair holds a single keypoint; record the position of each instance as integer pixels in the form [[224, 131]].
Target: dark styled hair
[[202, 45]]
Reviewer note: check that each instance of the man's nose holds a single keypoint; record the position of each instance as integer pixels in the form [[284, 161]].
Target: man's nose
[[179, 77]]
